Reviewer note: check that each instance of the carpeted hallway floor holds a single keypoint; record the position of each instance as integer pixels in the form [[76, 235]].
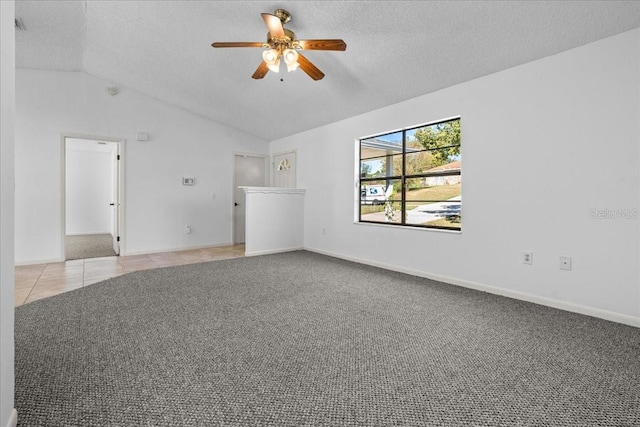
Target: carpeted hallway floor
[[300, 339], [88, 246]]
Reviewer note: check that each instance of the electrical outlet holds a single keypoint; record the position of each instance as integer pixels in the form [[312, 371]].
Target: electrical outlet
[[565, 263], [187, 229], [527, 258]]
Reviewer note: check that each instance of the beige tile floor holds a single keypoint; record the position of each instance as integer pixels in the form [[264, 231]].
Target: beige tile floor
[[34, 282]]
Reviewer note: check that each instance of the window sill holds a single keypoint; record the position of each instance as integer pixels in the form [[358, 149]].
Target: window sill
[[401, 227]]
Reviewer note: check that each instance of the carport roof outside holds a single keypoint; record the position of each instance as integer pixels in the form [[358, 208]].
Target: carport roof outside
[[372, 147]]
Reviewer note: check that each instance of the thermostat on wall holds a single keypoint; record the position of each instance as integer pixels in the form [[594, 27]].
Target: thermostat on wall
[[188, 181]]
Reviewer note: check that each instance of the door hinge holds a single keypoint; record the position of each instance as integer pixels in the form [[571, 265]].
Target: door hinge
[[118, 239], [118, 156]]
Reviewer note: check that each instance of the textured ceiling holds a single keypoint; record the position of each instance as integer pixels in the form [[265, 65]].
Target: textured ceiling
[[396, 50]]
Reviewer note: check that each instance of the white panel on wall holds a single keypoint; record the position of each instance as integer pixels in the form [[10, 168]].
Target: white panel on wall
[[545, 145]]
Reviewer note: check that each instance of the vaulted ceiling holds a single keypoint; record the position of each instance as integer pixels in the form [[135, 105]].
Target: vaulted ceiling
[[396, 50]]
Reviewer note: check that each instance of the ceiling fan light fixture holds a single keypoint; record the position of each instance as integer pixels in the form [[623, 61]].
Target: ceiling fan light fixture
[[275, 67], [272, 59], [282, 42], [291, 59]]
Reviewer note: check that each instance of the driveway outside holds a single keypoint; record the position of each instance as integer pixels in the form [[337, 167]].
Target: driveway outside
[[424, 213]]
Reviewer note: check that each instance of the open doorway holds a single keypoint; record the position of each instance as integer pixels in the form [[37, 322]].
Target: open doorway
[[92, 199], [250, 170]]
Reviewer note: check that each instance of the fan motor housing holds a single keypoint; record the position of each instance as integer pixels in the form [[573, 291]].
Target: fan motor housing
[[290, 36]]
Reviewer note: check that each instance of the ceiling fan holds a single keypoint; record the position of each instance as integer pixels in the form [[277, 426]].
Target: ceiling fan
[[282, 43]]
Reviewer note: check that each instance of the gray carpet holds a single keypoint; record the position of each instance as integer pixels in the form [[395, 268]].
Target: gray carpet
[[88, 246], [300, 339]]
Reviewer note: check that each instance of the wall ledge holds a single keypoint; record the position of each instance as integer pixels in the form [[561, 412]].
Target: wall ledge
[[274, 251]]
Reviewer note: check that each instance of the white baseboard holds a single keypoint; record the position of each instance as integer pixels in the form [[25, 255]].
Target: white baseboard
[[39, 261], [89, 234], [130, 253], [549, 302], [272, 251], [188, 248], [13, 418]]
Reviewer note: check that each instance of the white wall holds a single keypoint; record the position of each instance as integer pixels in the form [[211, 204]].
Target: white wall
[[89, 187], [158, 206], [7, 119], [543, 144]]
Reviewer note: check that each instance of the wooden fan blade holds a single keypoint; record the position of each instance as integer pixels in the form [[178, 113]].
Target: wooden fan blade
[[237, 44], [309, 68], [274, 25], [323, 44], [261, 71]]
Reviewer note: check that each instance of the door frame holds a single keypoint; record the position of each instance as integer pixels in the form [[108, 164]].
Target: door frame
[[267, 180], [63, 186]]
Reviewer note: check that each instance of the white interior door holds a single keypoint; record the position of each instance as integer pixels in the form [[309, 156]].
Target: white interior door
[[249, 171], [115, 213], [284, 170]]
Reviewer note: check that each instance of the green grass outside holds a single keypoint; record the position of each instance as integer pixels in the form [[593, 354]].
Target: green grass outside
[[444, 222], [437, 192], [367, 209]]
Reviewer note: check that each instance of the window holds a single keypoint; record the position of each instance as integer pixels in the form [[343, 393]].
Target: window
[[413, 177], [284, 165]]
